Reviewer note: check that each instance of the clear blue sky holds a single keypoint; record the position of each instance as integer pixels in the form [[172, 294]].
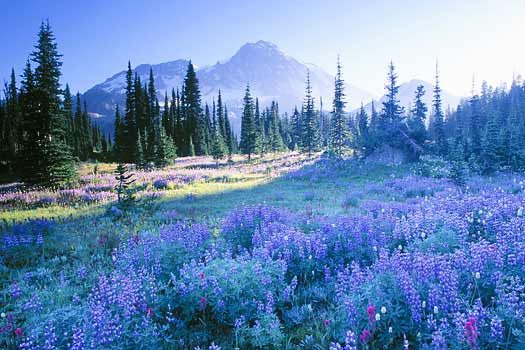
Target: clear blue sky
[[97, 37]]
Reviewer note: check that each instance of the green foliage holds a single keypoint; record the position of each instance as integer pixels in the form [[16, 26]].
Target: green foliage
[[126, 194], [310, 122], [338, 127], [248, 131]]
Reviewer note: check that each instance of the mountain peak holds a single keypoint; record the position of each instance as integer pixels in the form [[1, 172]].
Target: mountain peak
[[260, 47]]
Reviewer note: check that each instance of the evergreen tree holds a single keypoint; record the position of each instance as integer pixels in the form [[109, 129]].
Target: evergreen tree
[[218, 147], [230, 139], [438, 120], [138, 157], [274, 134], [416, 123], [338, 129], [310, 127], [70, 122], [221, 118], [11, 125], [166, 149], [491, 143], [362, 125], [296, 129], [194, 126], [248, 133], [260, 141], [475, 128], [129, 130], [55, 165], [118, 148], [391, 119], [29, 160]]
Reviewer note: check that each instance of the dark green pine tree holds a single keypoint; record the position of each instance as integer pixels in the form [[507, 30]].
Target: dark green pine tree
[[79, 131], [56, 167], [491, 143], [152, 120], [166, 116], [11, 127], [230, 139], [248, 133], [363, 130], [296, 129], [194, 125], [310, 127], [29, 159], [180, 136], [416, 123], [338, 127], [391, 119], [221, 118], [259, 130], [139, 158], [475, 129], [129, 130], [166, 149], [208, 133], [218, 147], [274, 132], [438, 131], [87, 134], [70, 121]]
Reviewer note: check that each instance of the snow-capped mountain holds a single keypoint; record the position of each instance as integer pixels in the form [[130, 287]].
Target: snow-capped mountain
[[272, 75], [407, 93]]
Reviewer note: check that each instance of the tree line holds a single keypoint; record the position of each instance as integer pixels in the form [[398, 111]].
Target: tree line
[[485, 133], [44, 130]]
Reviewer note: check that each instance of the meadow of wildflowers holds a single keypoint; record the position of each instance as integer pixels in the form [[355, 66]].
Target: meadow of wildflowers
[[370, 259]]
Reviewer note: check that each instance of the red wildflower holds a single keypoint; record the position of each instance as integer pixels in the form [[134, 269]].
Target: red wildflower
[[326, 323], [18, 332], [203, 302], [149, 312], [471, 331], [371, 310], [365, 336], [202, 276]]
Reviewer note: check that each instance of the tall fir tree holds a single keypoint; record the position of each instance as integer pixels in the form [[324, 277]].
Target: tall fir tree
[[391, 118], [68, 116], [416, 122], [338, 128], [192, 109], [248, 133], [52, 156], [310, 125], [363, 129], [438, 131], [296, 129], [260, 142], [129, 130]]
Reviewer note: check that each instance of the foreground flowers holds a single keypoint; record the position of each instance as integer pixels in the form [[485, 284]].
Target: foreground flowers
[[264, 276]]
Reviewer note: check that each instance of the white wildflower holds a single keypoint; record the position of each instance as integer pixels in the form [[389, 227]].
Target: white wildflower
[[383, 310]]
